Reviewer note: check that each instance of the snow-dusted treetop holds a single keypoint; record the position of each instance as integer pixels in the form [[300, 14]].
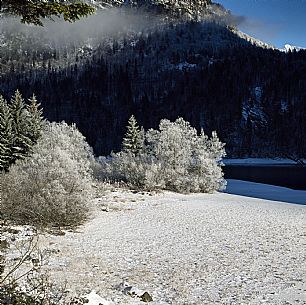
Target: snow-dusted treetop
[[290, 48], [190, 8]]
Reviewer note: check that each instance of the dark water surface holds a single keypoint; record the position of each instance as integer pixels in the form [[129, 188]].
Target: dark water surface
[[291, 176]]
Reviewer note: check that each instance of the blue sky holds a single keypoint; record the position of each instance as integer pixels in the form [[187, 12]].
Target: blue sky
[[274, 21]]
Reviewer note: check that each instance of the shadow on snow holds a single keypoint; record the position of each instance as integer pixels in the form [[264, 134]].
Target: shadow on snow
[[265, 191]]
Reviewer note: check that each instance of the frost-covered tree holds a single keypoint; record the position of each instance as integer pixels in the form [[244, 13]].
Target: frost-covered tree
[[205, 170], [6, 135], [133, 165], [172, 145], [190, 162], [134, 137], [53, 184]]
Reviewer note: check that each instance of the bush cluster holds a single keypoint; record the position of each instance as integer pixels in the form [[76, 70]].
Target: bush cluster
[[172, 158], [53, 185]]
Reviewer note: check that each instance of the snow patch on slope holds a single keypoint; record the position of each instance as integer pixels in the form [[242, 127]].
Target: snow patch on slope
[[290, 48], [185, 66]]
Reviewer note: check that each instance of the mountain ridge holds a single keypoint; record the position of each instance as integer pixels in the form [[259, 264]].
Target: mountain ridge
[[204, 71], [177, 7]]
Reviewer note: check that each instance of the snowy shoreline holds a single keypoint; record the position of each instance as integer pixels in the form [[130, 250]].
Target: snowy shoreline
[[187, 249], [260, 162]]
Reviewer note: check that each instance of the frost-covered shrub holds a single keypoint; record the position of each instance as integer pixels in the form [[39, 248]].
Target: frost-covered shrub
[[205, 171], [174, 157], [139, 171], [172, 146], [53, 185], [190, 163]]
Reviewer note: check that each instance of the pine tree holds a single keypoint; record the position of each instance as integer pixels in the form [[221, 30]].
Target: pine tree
[[6, 135], [35, 119], [20, 128], [134, 137], [22, 143]]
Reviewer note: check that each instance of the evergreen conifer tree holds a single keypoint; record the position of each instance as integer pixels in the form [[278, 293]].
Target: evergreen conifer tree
[[20, 128], [134, 137], [35, 119], [6, 135], [20, 125]]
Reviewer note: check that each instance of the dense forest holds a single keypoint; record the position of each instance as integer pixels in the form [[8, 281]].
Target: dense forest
[[203, 71]]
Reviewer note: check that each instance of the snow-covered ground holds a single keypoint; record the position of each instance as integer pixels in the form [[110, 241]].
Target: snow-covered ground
[[187, 249]]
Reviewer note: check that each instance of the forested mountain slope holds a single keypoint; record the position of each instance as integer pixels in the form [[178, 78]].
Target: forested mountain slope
[[155, 68], [177, 8]]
